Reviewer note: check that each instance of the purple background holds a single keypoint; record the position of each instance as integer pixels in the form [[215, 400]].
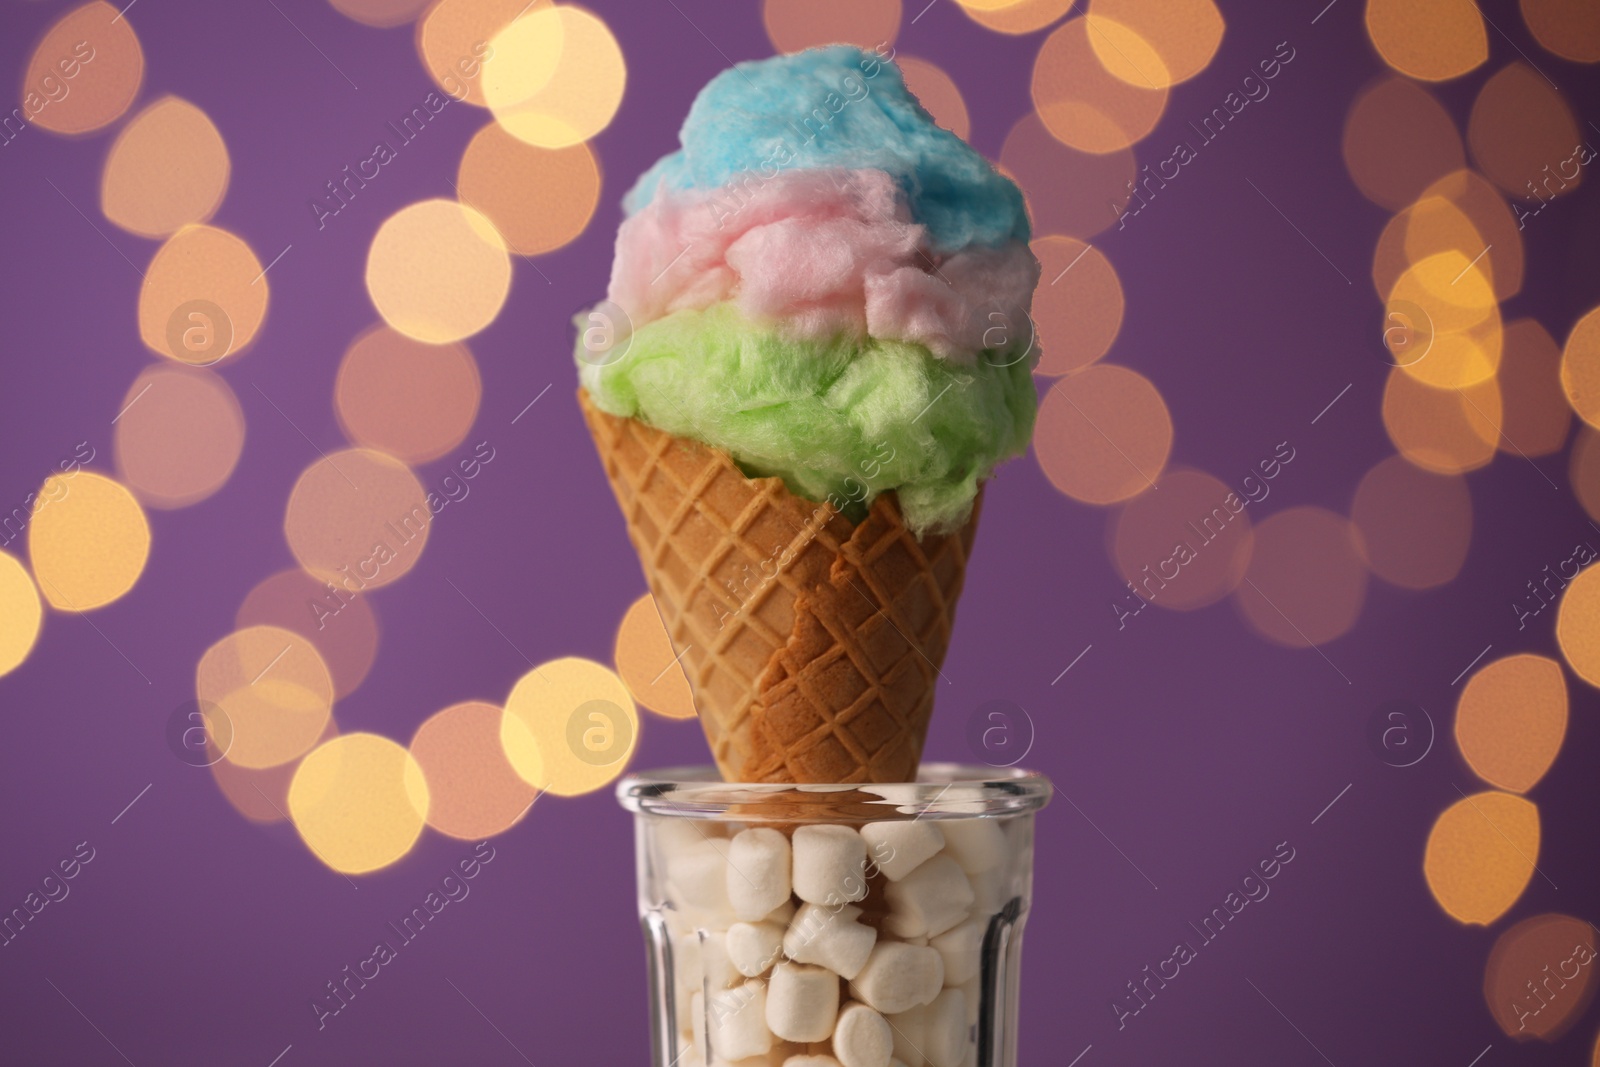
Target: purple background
[[1194, 746]]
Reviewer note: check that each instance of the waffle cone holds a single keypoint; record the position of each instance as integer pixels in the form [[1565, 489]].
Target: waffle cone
[[812, 644]]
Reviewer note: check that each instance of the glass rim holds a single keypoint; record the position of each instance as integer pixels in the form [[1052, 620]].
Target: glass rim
[[941, 791]]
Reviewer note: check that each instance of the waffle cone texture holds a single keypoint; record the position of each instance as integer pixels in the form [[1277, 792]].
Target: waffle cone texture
[[813, 644]]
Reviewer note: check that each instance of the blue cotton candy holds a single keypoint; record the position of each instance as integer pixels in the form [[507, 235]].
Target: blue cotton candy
[[837, 107]]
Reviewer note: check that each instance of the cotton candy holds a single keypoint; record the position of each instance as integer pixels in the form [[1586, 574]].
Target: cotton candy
[[835, 418], [822, 253], [838, 107]]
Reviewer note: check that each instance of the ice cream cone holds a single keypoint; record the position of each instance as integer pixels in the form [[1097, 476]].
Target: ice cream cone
[[813, 644]]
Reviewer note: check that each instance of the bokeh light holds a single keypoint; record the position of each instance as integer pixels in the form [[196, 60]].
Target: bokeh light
[[569, 726], [359, 802], [1416, 525], [473, 792], [337, 620], [1450, 431], [1537, 418], [793, 25], [274, 689], [1187, 544], [1077, 308], [168, 167], [380, 13], [1306, 581], [648, 664], [1398, 140], [179, 435], [20, 613], [438, 271], [453, 42], [261, 794], [1432, 40], [1184, 34], [1584, 470], [1463, 213], [1580, 367], [937, 92], [1540, 976], [1103, 435], [1578, 625], [1569, 28], [582, 91], [88, 541], [1491, 221], [358, 519], [1069, 192], [1523, 135], [1460, 314], [84, 72], [204, 296], [412, 400], [1086, 106], [540, 199], [1511, 720], [1016, 16], [1480, 854]]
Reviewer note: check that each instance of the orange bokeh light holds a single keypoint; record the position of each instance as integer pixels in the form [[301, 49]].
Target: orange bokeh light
[[1523, 135], [414, 401], [1103, 434], [473, 791], [1511, 720], [794, 25], [1069, 192], [1398, 140], [1187, 544], [938, 93], [1088, 107], [1416, 525], [84, 73], [1077, 308], [1306, 582], [649, 665], [336, 620]]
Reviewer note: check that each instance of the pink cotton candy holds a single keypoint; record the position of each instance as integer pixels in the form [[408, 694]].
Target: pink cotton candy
[[820, 253]]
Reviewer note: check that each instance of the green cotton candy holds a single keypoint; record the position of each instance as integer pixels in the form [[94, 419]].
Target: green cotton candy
[[839, 420]]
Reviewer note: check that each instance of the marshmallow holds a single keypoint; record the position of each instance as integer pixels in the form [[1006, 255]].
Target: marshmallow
[[830, 865], [686, 967], [989, 891], [758, 873], [811, 1061], [944, 1030], [716, 969], [830, 937], [802, 1002], [862, 1038], [972, 994], [781, 914], [754, 947], [928, 901], [898, 847], [673, 835], [899, 977], [697, 877], [736, 1022], [906, 1029], [962, 950], [697, 1028], [976, 844]]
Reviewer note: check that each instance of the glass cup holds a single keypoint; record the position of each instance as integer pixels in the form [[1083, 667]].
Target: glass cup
[[861, 922]]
